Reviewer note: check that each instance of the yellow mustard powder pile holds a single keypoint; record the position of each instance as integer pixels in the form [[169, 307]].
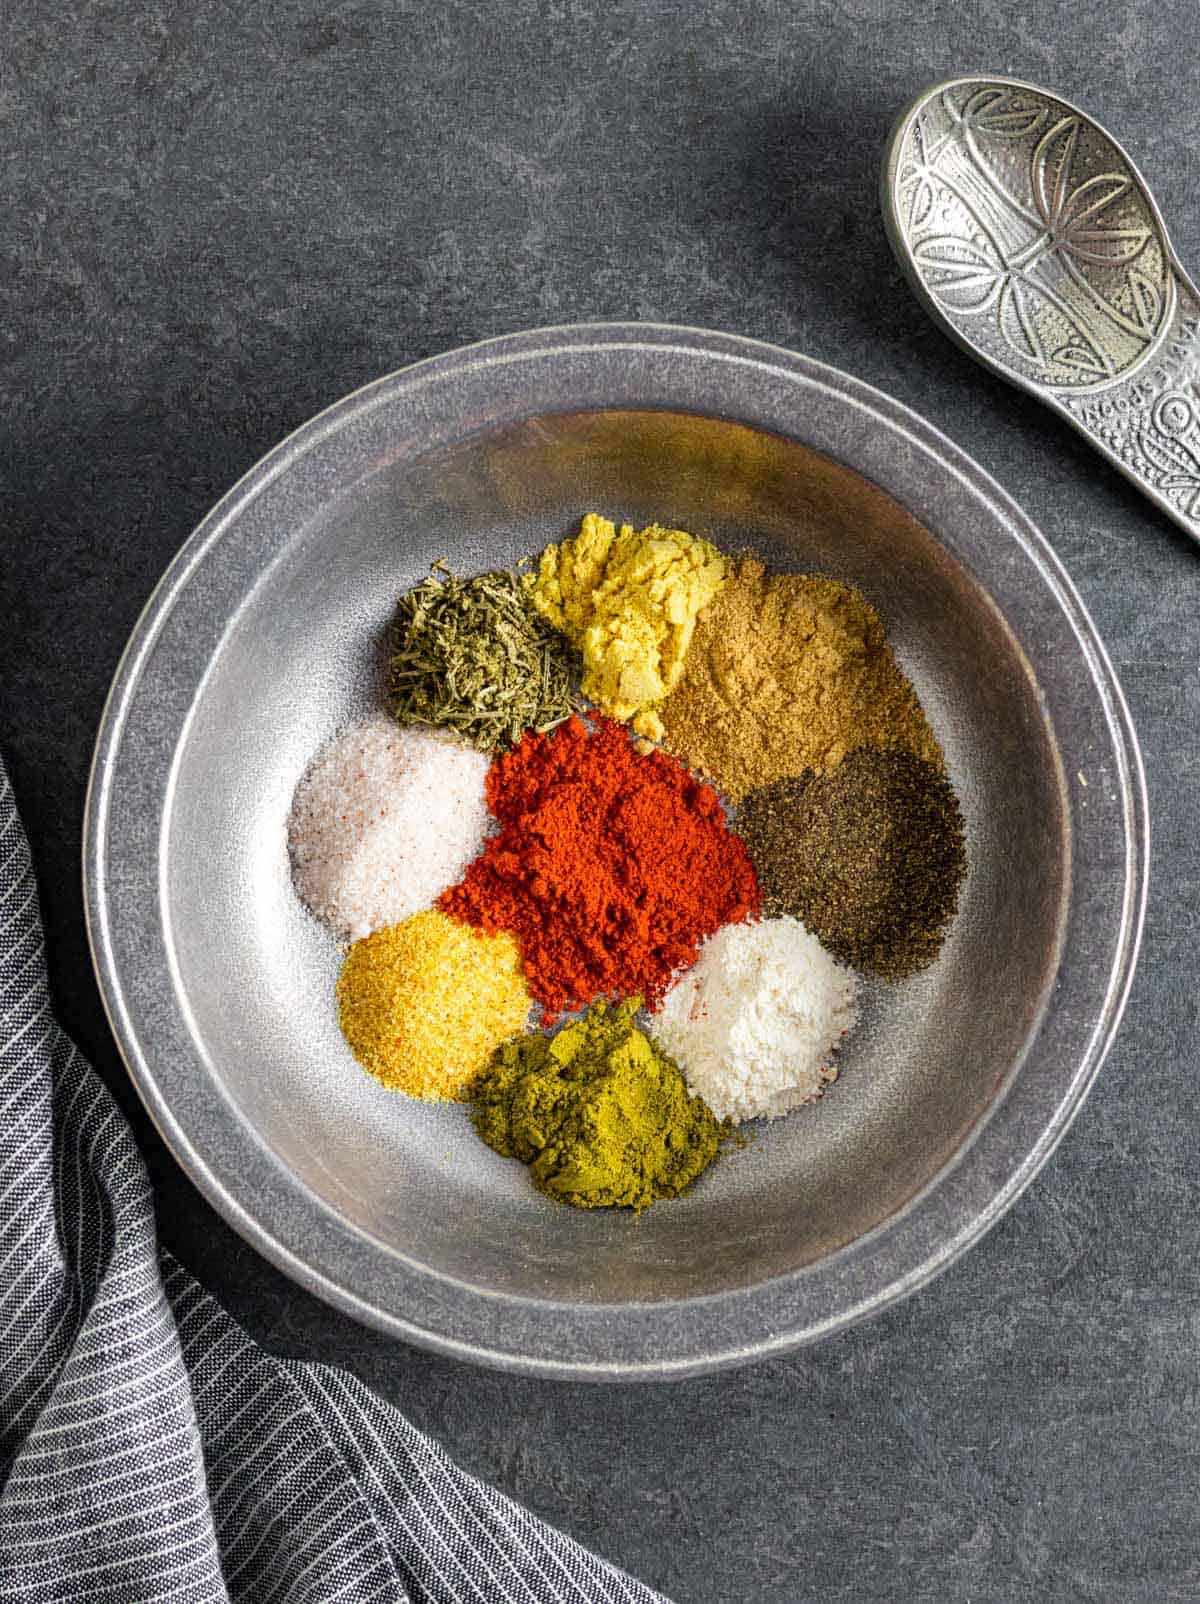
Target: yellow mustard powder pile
[[425, 1003], [629, 602], [789, 672]]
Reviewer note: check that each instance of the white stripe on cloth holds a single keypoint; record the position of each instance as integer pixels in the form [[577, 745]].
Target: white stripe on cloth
[[149, 1451]]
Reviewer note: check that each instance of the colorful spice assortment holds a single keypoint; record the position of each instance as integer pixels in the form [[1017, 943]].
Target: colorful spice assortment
[[474, 656], [755, 1023], [601, 1116], [492, 850], [788, 672], [425, 1003], [382, 822], [629, 601], [609, 867], [871, 857]]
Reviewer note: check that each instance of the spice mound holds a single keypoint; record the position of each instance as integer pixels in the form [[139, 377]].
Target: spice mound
[[610, 867], [754, 1025], [425, 1003], [600, 1115], [629, 601], [475, 656], [382, 822], [788, 672], [871, 857]]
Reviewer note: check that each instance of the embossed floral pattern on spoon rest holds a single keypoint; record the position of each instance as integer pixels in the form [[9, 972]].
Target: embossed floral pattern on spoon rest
[[1031, 237]]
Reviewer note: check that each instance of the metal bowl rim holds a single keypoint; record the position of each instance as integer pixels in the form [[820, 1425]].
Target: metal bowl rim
[[1034, 1146]]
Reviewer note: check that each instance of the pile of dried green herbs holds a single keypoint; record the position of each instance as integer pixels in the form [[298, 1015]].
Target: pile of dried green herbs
[[473, 656]]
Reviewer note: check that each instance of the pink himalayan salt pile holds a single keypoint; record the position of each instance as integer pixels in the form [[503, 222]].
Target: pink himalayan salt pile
[[383, 820]]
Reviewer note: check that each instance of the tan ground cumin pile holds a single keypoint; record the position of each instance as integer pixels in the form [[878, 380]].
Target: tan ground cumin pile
[[788, 672]]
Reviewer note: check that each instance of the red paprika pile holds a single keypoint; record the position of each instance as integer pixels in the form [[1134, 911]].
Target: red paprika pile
[[609, 867]]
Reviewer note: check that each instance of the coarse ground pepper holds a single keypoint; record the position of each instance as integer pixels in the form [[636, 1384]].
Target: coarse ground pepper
[[610, 866], [602, 1117], [788, 672], [424, 1003], [870, 857]]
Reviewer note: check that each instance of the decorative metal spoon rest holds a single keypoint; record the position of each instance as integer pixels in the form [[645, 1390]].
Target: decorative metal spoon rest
[[1033, 240]]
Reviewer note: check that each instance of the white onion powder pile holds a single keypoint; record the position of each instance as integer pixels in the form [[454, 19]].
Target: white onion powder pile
[[754, 1024], [382, 822]]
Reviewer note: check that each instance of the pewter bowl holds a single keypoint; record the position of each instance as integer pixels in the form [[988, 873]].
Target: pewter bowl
[[263, 638]]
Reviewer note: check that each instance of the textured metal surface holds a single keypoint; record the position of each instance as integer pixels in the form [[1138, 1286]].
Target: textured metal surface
[[262, 638], [1032, 239]]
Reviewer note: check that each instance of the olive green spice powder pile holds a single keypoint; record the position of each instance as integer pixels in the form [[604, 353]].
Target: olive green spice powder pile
[[870, 857], [599, 1114]]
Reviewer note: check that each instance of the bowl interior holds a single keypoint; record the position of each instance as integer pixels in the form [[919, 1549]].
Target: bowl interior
[[302, 657]]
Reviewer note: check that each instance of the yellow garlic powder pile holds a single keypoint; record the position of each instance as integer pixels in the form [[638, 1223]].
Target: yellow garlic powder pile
[[425, 1003]]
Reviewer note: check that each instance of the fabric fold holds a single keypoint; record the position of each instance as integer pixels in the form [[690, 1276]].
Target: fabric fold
[[149, 1450]]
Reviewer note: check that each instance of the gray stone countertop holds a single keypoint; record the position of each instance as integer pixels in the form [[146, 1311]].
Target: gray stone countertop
[[219, 217]]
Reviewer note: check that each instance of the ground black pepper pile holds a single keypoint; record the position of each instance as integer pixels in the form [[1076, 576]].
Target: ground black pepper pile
[[870, 856]]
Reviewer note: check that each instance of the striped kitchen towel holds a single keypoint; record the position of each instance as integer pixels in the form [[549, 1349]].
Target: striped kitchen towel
[[148, 1449]]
